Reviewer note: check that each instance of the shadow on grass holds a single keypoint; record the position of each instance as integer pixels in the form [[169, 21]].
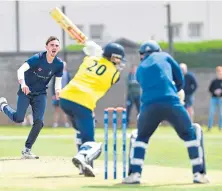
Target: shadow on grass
[[58, 176], [8, 159], [137, 186]]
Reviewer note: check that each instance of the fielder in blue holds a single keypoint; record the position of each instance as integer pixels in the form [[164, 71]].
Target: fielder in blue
[[161, 80], [34, 76]]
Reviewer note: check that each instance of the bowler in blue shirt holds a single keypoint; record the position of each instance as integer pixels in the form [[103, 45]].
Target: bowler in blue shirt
[[34, 76]]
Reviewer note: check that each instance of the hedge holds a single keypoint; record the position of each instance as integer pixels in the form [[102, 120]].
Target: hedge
[[191, 47], [200, 59], [74, 47], [186, 47]]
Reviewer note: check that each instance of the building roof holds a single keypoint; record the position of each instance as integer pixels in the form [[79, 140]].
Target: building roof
[[126, 43]]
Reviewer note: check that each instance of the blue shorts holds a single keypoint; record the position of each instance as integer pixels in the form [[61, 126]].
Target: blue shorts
[[82, 118], [188, 101]]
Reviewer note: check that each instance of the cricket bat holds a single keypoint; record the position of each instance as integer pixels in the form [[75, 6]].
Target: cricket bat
[[67, 25]]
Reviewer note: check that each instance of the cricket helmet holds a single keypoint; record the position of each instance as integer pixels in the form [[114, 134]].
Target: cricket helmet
[[115, 50], [149, 47]]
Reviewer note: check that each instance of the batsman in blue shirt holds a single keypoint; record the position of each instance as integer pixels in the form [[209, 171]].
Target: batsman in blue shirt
[[34, 76], [162, 99]]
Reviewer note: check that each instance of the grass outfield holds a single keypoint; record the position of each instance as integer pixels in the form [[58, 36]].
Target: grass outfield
[[166, 167]]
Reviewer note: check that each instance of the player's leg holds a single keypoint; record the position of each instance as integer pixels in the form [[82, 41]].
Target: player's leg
[[94, 120], [213, 106], [30, 118], [22, 105], [190, 111], [220, 113], [193, 137], [129, 105], [137, 102], [65, 119], [189, 106], [148, 121], [89, 150], [38, 104], [133, 137], [77, 136], [77, 141]]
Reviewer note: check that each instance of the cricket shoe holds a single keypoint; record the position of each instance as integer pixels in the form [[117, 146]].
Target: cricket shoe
[[55, 125], [27, 154], [133, 178], [81, 172], [3, 103], [80, 162], [200, 178], [67, 125]]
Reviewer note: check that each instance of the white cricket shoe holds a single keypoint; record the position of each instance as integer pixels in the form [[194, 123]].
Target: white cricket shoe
[[27, 154], [55, 125], [3, 103], [67, 125], [133, 178], [80, 162], [81, 172], [200, 178]]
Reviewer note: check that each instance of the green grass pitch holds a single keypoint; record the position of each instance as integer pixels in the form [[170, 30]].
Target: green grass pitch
[[167, 166]]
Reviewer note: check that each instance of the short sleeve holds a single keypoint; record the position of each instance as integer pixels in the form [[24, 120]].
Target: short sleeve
[[59, 72], [33, 61]]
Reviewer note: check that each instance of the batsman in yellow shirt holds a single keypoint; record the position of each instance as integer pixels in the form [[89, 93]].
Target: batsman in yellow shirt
[[96, 75]]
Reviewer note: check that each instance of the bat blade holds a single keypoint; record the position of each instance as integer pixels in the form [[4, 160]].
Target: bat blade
[[67, 25]]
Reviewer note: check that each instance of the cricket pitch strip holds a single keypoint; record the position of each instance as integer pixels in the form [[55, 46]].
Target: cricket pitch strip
[[49, 173]]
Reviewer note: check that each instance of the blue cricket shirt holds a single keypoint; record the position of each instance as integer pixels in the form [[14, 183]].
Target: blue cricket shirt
[[41, 72], [160, 78]]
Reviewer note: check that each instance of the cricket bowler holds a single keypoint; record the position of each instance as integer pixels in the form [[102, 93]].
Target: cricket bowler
[[33, 77], [161, 80]]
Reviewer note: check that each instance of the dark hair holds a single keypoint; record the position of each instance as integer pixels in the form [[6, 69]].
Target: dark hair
[[51, 38]]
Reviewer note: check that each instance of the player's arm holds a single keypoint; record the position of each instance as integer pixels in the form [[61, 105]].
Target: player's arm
[[58, 86], [178, 77], [21, 77], [58, 81], [92, 49], [30, 63]]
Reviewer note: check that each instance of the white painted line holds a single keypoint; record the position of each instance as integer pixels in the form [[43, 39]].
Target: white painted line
[[21, 137]]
